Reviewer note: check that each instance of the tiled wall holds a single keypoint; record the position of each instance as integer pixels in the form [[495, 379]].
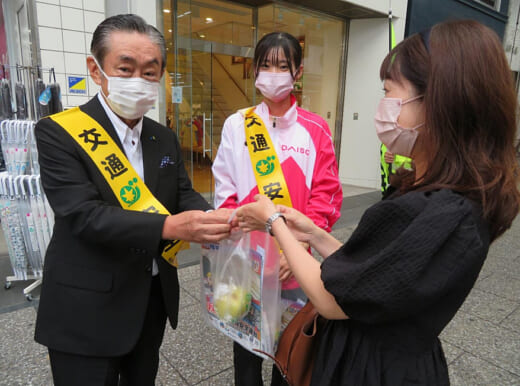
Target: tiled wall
[[65, 29]]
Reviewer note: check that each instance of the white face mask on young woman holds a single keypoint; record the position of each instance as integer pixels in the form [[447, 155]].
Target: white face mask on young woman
[[275, 86], [397, 139], [130, 98]]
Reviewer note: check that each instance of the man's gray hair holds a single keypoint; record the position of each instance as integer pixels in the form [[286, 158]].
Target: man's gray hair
[[126, 23]]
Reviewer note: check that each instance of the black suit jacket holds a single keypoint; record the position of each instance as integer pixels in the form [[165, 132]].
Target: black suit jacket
[[98, 266]]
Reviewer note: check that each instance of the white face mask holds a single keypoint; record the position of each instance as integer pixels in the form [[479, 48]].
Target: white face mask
[[275, 86], [130, 98]]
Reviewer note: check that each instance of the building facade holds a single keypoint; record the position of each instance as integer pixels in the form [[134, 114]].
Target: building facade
[[210, 47]]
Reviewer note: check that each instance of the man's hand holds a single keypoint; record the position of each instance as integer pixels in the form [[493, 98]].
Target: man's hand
[[389, 157], [198, 226]]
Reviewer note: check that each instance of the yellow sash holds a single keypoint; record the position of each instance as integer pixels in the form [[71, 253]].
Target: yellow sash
[[128, 187], [266, 166]]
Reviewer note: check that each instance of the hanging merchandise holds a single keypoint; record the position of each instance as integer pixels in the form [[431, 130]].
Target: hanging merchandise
[[49, 213], [5, 129], [39, 88], [2, 116], [3, 112], [15, 136], [25, 215], [33, 99], [56, 98], [33, 151], [20, 96], [11, 226], [33, 219], [2, 161], [5, 93], [21, 150], [29, 225], [51, 96], [45, 214]]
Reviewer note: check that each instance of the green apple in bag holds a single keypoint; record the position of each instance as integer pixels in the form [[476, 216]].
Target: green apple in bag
[[231, 302]]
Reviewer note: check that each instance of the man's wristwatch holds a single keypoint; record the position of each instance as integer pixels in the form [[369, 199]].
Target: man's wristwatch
[[271, 219]]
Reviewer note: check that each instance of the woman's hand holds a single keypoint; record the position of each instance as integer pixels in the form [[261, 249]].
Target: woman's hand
[[253, 216], [285, 270], [301, 226]]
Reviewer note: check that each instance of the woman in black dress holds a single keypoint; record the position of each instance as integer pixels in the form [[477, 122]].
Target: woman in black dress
[[396, 283]]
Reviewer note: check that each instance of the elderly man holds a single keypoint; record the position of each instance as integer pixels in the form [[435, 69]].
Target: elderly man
[[123, 204]]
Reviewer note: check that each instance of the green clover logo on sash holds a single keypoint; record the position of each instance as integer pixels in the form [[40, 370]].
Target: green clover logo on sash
[[130, 194], [265, 166]]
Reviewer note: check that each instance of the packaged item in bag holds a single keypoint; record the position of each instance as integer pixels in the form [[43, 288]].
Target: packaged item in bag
[[232, 280], [253, 322]]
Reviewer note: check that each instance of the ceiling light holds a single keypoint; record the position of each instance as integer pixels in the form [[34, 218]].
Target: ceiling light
[[166, 10], [202, 36], [209, 20], [169, 30]]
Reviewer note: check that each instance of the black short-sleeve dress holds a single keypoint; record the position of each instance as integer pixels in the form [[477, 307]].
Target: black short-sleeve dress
[[400, 278]]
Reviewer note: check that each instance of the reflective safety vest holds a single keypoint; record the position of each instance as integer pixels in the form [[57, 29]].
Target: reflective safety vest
[[400, 161]]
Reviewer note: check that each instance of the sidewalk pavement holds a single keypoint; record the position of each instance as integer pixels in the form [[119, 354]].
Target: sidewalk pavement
[[482, 343]]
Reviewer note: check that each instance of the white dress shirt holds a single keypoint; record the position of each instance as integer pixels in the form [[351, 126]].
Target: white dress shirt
[[131, 140]]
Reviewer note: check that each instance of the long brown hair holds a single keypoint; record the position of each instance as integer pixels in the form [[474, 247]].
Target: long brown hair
[[471, 114]]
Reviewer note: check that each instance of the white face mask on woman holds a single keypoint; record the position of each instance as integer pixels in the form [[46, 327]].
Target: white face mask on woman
[[397, 139], [275, 86], [130, 98]]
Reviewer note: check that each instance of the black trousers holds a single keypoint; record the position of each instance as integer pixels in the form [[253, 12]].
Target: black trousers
[[248, 366], [248, 369], [138, 367]]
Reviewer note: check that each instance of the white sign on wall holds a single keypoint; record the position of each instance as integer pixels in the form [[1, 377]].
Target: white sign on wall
[[176, 94]]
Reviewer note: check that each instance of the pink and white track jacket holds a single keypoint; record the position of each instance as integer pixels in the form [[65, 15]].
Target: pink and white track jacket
[[305, 150]]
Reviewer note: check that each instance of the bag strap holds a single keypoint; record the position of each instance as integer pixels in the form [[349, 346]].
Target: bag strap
[[299, 324], [278, 364], [129, 189]]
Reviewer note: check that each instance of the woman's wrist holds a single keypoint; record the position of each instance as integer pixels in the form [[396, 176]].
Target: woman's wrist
[[316, 236], [272, 219], [277, 224]]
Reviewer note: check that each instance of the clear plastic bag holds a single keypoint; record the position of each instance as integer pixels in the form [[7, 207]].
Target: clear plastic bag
[[232, 279], [258, 328]]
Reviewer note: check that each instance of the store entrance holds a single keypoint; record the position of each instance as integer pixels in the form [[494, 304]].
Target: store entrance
[[208, 79], [210, 47], [217, 91]]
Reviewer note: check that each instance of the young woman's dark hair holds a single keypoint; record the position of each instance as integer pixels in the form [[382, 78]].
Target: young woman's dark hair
[[471, 115], [269, 46]]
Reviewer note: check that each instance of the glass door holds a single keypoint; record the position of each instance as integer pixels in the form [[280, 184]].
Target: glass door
[[197, 134], [210, 46], [210, 49]]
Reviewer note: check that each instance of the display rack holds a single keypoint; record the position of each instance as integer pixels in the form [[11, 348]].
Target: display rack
[[25, 215]]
